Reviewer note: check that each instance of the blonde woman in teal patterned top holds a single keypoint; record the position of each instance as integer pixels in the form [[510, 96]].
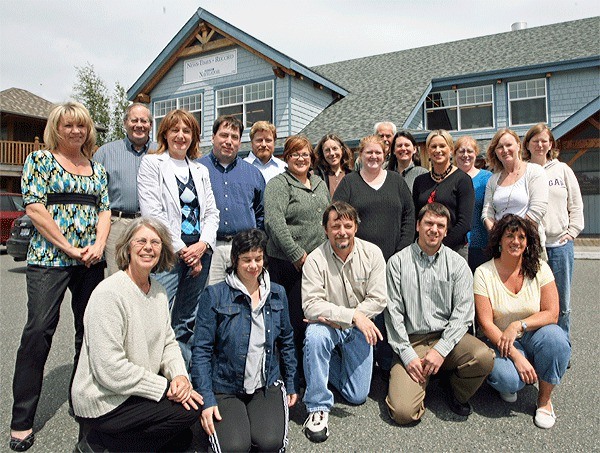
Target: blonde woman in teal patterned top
[[66, 197]]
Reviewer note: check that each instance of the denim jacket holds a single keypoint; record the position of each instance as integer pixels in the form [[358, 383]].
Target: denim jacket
[[222, 335]]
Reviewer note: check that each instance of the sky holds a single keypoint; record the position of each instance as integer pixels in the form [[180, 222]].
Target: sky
[[43, 41]]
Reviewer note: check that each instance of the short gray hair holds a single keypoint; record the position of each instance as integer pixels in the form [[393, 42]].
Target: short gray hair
[[167, 258], [134, 105], [381, 123]]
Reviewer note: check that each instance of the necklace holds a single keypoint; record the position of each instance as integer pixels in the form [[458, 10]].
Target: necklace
[[439, 177], [512, 187]]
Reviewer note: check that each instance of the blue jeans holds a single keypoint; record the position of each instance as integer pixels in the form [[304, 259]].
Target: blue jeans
[[561, 260], [342, 357], [183, 292], [548, 349]]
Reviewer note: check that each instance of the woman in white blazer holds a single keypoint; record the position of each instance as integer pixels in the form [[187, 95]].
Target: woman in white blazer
[[177, 191]]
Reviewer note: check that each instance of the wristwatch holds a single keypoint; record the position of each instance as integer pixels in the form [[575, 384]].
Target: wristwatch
[[523, 329]]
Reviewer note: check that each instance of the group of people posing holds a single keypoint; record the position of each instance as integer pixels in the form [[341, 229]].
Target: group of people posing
[[370, 267]]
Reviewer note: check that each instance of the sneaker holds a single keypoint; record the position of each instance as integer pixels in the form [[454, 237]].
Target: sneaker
[[315, 427], [508, 397]]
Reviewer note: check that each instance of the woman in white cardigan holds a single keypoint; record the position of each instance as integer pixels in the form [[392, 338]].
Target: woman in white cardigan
[[516, 187], [131, 391], [177, 191]]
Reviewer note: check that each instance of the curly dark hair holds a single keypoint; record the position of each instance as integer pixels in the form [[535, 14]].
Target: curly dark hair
[[531, 256]]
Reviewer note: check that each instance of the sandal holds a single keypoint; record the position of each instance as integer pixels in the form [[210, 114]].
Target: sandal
[[545, 418], [25, 444]]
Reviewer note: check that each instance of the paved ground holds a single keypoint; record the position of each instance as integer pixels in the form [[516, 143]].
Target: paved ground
[[494, 426]]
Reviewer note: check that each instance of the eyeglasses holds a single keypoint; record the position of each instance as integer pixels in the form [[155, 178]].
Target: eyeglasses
[[300, 155], [141, 242]]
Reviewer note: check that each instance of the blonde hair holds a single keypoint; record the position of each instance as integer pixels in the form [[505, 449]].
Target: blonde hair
[[80, 115], [371, 140], [492, 160], [263, 126]]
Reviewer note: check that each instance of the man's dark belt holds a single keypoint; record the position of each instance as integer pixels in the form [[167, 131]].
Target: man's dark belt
[[125, 215], [225, 237], [71, 198]]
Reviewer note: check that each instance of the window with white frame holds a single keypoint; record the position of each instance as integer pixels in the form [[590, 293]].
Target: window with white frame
[[249, 103], [465, 108], [192, 104], [527, 102]]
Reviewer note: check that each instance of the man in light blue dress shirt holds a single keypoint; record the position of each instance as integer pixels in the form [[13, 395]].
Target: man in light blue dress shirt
[[262, 138]]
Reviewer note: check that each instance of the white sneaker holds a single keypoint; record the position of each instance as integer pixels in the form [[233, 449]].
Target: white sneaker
[[508, 397], [315, 427]]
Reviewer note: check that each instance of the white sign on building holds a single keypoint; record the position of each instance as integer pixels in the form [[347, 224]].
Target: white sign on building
[[210, 67]]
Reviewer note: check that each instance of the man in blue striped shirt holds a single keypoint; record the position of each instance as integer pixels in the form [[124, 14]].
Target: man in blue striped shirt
[[121, 159], [430, 308]]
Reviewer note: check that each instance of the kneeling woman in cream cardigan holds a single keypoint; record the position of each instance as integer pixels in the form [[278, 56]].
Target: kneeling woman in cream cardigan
[[131, 390]]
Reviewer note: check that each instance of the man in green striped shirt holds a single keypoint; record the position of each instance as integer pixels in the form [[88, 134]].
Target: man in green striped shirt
[[430, 308]]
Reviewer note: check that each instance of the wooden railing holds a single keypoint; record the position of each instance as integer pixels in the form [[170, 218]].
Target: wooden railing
[[14, 153]]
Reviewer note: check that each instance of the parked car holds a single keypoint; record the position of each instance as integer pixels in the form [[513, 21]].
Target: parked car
[[11, 208], [20, 234]]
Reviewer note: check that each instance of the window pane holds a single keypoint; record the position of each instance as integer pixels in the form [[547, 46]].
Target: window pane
[[528, 111], [234, 110], [442, 119], [230, 96], [198, 116], [474, 117], [259, 111], [257, 91]]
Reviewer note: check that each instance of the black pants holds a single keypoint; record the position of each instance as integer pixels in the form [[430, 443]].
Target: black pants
[[46, 287], [259, 420], [284, 273], [140, 424]]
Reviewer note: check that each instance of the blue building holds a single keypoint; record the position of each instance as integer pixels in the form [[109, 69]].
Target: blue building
[[469, 87]]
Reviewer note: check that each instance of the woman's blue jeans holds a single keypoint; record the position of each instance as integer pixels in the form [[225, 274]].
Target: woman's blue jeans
[[548, 349]]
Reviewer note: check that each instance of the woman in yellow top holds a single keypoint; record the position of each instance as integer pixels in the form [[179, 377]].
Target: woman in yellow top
[[517, 308]]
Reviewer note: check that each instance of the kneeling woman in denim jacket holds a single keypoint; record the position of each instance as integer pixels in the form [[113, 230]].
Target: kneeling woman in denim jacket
[[242, 330]]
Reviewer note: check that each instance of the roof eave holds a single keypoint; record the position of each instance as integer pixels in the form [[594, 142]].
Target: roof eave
[[260, 47], [576, 118]]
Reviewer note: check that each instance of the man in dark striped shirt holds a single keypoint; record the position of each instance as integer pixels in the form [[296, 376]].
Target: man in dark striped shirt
[[430, 308]]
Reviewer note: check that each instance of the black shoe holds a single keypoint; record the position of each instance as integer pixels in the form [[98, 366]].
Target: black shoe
[[21, 444], [462, 409]]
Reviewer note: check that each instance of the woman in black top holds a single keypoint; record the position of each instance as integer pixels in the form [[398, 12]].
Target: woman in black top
[[449, 186]]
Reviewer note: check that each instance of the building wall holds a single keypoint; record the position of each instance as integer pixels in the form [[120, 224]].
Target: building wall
[[306, 103], [571, 90], [296, 102]]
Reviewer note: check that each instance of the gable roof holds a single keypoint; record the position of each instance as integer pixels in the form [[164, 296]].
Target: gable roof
[[23, 102], [201, 33], [392, 86]]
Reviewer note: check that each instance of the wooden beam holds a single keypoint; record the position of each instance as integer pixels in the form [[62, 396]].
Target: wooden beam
[[278, 72], [203, 48], [255, 52], [577, 156], [143, 98], [594, 122], [168, 65], [317, 85], [580, 143]]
